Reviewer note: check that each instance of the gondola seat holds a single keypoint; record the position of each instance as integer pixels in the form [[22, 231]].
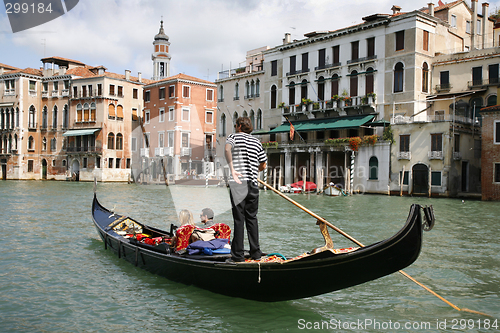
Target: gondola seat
[[222, 230], [183, 234]]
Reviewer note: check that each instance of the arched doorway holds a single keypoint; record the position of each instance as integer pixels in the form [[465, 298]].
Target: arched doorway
[[420, 179], [44, 169], [75, 170]]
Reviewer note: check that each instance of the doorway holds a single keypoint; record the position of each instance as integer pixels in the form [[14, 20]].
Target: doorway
[[44, 169], [420, 179], [4, 171], [465, 176], [75, 171]]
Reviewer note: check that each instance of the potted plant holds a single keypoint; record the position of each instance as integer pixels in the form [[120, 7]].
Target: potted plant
[[281, 105], [371, 97], [316, 106]]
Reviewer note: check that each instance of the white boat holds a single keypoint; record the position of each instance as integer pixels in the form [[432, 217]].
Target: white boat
[[333, 190]]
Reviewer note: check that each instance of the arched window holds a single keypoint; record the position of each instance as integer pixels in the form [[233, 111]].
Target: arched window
[[235, 116], [259, 119], [247, 89], [2, 119], [119, 112], [353, 84], [79, 113], [32, 117], [252, 89], [335, 85], [86, 112], [398, 77], [53, 144], [236, 91], [223, 124], [321, 88], [65, 116], [54, 117], [9, 147], [245, 114], [15, 141], [370, 81], [7, 118], [291, 93], [274, 97], [252, 118], [303, 89], [17, 117], [492, 100], [44, 144], [373, 165], [44, 117], [257, 88], [31, 143], [111, 141], [12, 119], [425, 78], [119, 141], [111, 111], [92, 112], [221, 93]]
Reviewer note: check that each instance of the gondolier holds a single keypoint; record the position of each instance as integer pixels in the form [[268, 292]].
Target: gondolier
[[245, 157]]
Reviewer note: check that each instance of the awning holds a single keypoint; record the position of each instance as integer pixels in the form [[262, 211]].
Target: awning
[[119, 111], [111, 110], [324, 124], [379, 123], [79, 132]]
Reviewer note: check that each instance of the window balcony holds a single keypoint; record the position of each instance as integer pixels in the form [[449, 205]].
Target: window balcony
[[444, 87], [88, 149], [457, 155], [363, 59], [9, 92], [404, 155], [326, 66], [144, 152], [55, 93], [300, 71], [185, 151], [65, 92], [45, 94], [435, 155], [168, 151]]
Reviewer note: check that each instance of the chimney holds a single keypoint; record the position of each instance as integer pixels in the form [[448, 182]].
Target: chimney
[[139, 76], [127, 74], [473, 25], [431, 8], [485, 22], [62, 70], [287, 39], [395, 10]]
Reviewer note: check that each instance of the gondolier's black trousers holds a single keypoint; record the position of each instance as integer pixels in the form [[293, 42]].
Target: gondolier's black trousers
[[245, 204]]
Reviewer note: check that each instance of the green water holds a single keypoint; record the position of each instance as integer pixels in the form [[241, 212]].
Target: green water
[[56, 276]]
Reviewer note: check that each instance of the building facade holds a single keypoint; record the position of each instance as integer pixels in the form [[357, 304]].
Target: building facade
[[179, 128], [67, 121], [490, 153]]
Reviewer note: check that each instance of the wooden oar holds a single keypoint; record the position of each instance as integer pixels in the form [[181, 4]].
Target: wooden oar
[[360, 244]]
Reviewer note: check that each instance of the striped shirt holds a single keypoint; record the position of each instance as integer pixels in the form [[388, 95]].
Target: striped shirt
[[247, 155]]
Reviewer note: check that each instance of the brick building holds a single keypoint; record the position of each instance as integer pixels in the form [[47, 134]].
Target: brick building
[[490, 153]]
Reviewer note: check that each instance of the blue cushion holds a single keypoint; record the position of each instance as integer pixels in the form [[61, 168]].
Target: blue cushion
[[221, 251]]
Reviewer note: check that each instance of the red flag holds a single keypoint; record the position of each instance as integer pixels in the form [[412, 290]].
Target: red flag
[[292, 131]]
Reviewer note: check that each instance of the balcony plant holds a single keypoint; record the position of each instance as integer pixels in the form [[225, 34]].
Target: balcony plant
[[316, 106], [355, 142], [370, 139], [306, 101], [270, 144], [281, 105]]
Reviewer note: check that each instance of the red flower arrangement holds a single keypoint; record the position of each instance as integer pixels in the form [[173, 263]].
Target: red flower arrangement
[[355, 142]]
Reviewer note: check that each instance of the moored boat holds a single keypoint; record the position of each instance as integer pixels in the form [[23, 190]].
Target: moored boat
[[274, 278]]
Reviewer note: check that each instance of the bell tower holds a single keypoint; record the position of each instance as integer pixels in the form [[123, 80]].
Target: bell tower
[[161, 57]]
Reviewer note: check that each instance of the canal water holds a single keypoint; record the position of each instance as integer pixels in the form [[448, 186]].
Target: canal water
[[56, 276]]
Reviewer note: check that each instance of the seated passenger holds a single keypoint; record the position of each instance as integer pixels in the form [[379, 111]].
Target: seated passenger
[[207, 218], [181, 238]]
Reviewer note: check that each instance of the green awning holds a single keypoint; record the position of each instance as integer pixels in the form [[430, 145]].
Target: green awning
[[79, 132], [324, 124]]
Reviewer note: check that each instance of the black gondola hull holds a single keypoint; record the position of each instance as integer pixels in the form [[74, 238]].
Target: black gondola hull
[[308, 276]]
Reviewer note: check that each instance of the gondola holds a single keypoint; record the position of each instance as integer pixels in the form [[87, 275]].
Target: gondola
[[320, 271]]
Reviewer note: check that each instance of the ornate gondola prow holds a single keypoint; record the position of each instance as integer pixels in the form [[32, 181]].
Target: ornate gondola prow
[[326, 235], [95, 185], [429, 218]]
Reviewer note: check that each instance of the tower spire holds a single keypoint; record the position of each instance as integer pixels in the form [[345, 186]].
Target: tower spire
[[161, 57]]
